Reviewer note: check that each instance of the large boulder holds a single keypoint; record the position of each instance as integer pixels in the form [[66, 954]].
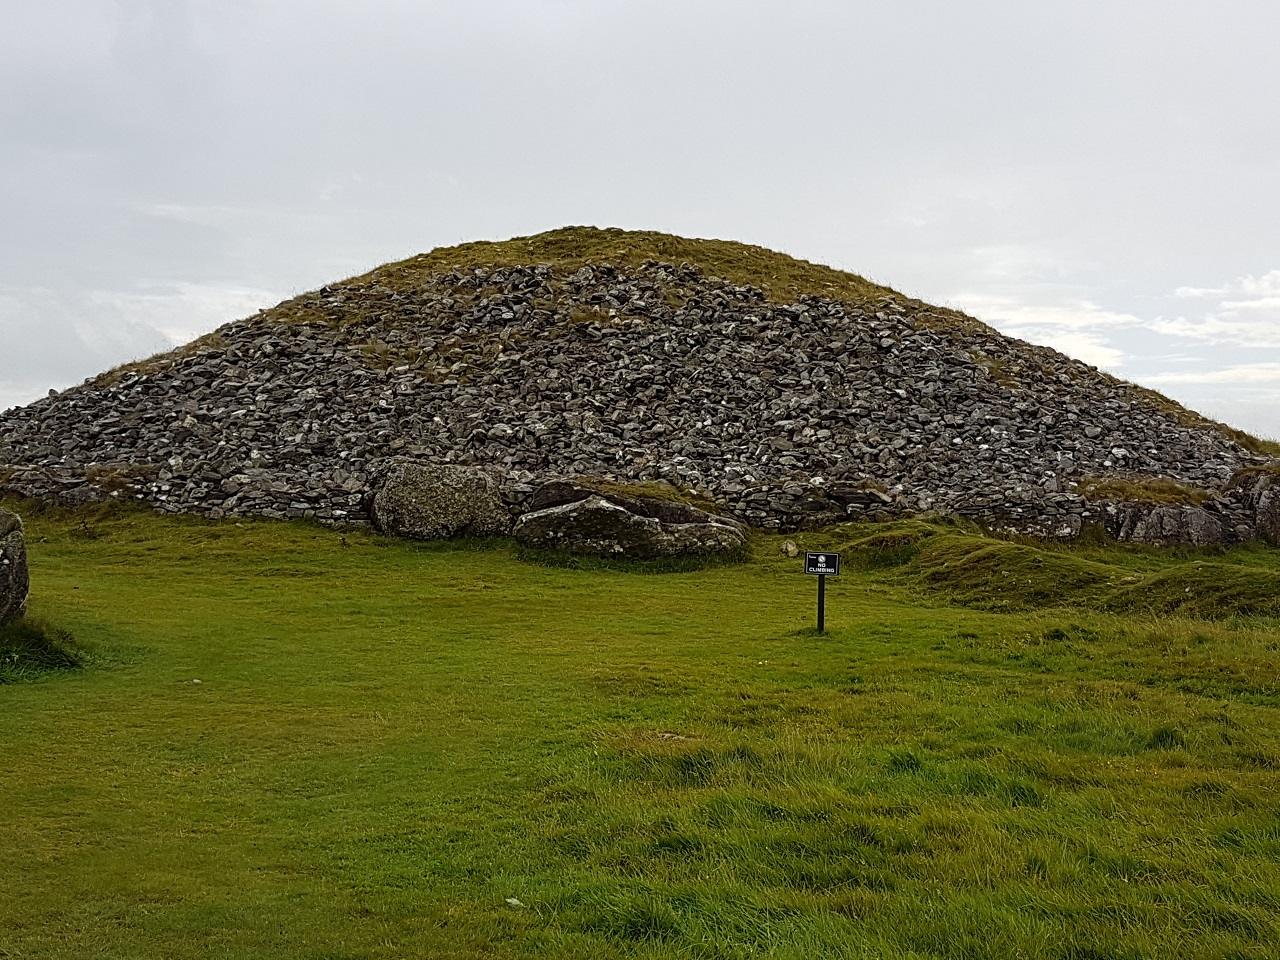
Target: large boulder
[[14, 581], [581, 519], [434, 501], [1164, 525]]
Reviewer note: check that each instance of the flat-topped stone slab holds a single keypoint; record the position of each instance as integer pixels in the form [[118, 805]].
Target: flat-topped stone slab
[[575, 518]]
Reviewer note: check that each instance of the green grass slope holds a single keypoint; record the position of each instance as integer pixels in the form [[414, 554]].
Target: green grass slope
[[784, 278], [969, 568], [398, 750]]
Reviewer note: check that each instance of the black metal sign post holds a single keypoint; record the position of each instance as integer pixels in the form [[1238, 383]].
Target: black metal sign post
[[822, 565]]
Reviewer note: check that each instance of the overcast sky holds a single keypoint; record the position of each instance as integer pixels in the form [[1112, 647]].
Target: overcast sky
[[1102, 177]]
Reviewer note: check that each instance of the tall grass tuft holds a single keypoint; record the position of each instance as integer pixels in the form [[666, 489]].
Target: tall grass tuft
[[32, 648]]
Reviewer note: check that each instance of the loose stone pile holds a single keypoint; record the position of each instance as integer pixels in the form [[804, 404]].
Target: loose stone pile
[[786, 415]]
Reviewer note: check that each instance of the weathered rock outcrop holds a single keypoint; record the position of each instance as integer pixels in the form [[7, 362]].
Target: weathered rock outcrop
[[14, 579], [429, 501], [575, 518], [788, 413], [1165, 525], [1259, 491]]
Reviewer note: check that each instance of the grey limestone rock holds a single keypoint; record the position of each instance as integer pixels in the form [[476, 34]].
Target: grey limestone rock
[[1164, 525], [14, 579], [430, 501], [574, 518], [642, 502], [1259, 492]]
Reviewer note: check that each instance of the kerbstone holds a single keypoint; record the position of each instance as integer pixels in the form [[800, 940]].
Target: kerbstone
[[1259, 492], [598, 527], [428, 501], [14, 578], [1162, 525]]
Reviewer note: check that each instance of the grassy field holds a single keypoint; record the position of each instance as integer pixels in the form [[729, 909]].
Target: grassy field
[[287, 741]]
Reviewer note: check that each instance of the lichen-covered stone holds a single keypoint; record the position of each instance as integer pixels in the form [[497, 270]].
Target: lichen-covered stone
[[1267, 509], [14, 579], [643, 503], [1165, 525], [429, 501], [602, 527]]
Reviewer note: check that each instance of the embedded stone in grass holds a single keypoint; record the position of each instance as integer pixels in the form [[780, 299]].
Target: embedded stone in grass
[[432, 501], [1164, 525], [15, 582], [599, 523]]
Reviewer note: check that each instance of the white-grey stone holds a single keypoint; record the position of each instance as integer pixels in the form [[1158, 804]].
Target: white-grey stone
[[599, 526], [1164, 525]]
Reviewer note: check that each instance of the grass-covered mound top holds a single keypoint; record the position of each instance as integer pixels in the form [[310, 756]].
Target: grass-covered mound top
[[783, 278]]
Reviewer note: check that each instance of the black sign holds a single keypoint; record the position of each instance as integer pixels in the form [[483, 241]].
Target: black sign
[[823, 564]]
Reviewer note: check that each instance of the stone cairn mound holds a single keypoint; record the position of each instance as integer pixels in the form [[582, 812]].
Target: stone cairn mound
[[786, 415]]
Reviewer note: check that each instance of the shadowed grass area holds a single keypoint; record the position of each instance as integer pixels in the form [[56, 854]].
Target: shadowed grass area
[[30, 648], [441, 750]]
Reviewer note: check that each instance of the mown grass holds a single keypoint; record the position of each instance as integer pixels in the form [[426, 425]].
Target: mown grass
[[400, 750]]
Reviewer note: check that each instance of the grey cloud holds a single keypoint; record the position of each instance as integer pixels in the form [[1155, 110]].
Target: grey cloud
[[52, 341]]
